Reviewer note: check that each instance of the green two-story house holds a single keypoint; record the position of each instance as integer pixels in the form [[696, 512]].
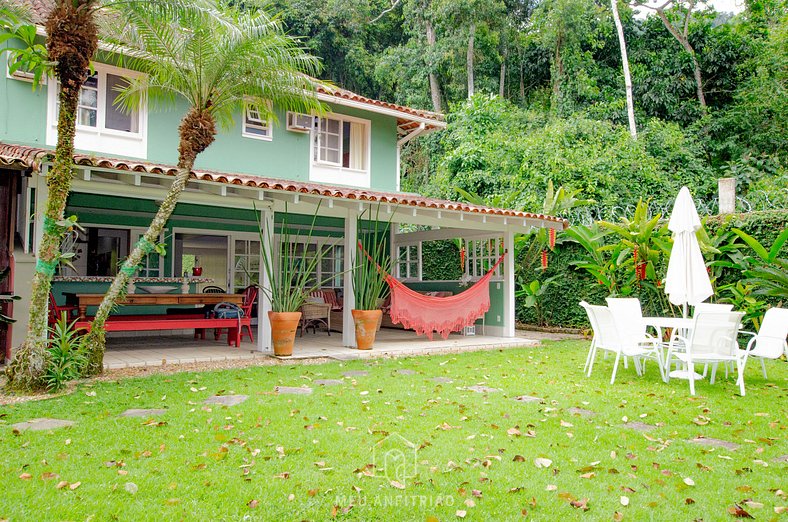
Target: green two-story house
[[338, 163]]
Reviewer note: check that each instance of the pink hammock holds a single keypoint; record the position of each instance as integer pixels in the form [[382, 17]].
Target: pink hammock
[[427, 314]]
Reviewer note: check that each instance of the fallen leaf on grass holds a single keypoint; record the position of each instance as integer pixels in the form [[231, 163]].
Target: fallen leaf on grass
[[62, 484], [688, 481], [780, 509], [49, 475], [551, 487], [25, 476], [283, 475], [618, 516], [752, 504], [461, 513], [624, 501], [74, 486], [739, 512], [689, 501], [542, 462], [253, 503], [580, 504], [398, 485]]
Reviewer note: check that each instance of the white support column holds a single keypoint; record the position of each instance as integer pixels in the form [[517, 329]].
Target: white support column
[[349, 299], [263, 325], [508, 284], [42, 194]]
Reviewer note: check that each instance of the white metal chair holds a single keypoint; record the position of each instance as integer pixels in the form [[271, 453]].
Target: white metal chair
[[712, 307], [608, 337], [712, 340], [628, 316], [769, 342]]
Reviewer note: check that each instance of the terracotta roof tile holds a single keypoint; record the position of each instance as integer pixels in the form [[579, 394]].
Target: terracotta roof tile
[[22, 156]]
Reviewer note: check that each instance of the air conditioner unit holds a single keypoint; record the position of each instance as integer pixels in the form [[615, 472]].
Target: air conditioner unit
[[297, 122]]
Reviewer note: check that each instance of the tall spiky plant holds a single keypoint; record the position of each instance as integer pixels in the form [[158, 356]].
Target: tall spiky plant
[[218, 64], [373, 262]]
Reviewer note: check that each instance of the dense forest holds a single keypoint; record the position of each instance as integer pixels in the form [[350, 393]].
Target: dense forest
[[537, 91]]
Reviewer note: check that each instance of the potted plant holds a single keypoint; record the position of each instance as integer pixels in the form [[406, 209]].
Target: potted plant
[[369, 280], [290, 267]]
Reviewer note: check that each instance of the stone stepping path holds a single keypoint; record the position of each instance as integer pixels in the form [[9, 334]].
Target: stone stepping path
[[292, 390], [444, 380], [528, 398], [138, 412], [482, 389], [783, 458], [639, 426], [581, 411], [406, 372], [226, 400], [355, 373], [328, 382], [42, 424], [716, 443]]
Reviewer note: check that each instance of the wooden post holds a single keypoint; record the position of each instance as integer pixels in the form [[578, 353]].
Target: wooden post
[[349, 297], [508, 285]]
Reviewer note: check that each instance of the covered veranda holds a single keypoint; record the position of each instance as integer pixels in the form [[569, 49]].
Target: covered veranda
[[415, 220]]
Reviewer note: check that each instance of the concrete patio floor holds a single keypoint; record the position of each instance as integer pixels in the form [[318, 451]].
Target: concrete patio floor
[[127, 352]]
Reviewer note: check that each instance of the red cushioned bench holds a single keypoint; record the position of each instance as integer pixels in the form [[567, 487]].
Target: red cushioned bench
[[137, 323]]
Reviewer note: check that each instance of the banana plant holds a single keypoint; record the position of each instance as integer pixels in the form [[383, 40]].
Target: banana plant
[[766, 272], [532, 292]]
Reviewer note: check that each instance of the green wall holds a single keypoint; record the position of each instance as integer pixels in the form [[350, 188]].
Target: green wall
[[286, 156]]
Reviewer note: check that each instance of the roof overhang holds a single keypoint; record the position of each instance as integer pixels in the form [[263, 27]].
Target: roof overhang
[[104, 175]]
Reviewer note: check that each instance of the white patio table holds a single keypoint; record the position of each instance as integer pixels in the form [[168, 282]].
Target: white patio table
[[677, 323]]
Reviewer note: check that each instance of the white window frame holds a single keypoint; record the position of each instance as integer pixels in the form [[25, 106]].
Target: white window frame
[[235, 256], [322, 242], [134, 234], [479, 258], [409, 258], [100, 138], [335, 173], [256, 122]]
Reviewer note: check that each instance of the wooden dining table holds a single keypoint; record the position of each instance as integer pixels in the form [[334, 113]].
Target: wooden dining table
[[85, 300]]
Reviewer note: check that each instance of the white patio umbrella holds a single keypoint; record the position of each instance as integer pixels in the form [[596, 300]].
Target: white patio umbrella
[[687, 281]]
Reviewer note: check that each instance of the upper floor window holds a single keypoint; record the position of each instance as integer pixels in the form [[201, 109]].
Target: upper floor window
[[92, 113], [103, 126], [340, 150], [255, 124]]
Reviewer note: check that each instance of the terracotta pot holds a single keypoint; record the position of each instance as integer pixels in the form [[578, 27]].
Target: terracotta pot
[[283, 331], [366, 322]]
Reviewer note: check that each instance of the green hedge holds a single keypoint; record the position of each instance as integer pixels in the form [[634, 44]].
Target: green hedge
[[562, 298], [441, 261]]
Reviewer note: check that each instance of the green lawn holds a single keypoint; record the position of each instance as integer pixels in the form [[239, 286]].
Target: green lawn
[[311, 457]]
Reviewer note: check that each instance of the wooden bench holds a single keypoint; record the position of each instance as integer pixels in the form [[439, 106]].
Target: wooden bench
[[137, 323]]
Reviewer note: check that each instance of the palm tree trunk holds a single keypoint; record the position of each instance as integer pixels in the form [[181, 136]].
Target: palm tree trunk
[[71, 43], [197, 132], [29, 362], [625, 65]]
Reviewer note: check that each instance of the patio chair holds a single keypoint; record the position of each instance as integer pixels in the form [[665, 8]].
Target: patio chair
[[249, 299], [769, 342], [711, 340], [56, 311], [712, 307], [608, 337], [330, 297], [213, 290], [628, 316]]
